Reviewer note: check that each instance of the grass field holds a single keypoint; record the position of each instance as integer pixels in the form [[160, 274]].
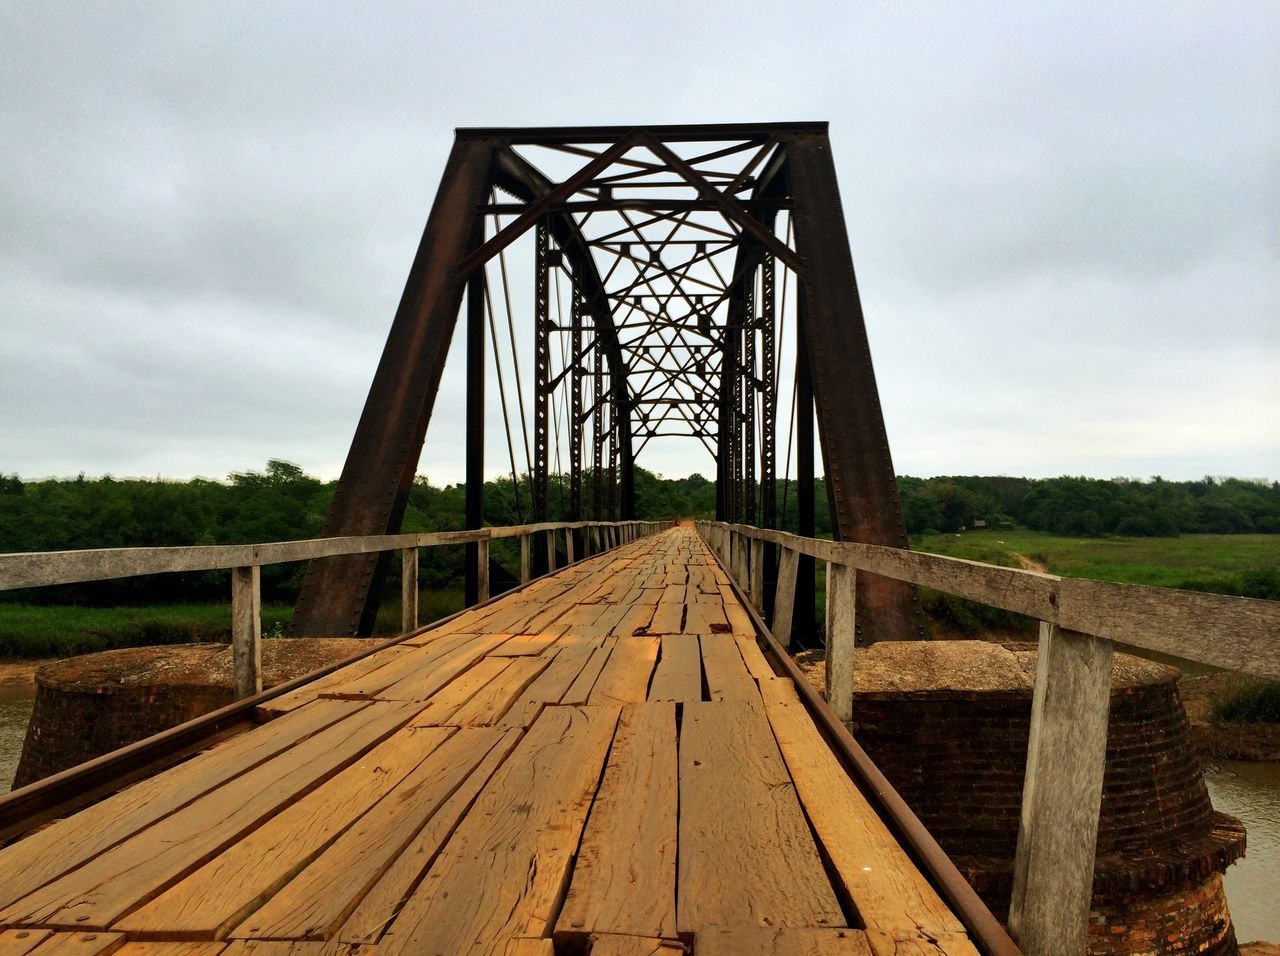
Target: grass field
[[33, 631], [1226, 563]]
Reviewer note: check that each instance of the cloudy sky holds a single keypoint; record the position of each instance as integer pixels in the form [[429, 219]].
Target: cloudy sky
[[1065, 219]]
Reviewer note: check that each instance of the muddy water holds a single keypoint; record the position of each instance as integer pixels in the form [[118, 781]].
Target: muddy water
[[16, 701], [1251, 791]]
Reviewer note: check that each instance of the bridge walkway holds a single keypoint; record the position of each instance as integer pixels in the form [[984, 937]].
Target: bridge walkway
[[602, 762]]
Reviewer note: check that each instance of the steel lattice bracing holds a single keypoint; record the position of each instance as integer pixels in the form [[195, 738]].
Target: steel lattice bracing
[[674, 278]]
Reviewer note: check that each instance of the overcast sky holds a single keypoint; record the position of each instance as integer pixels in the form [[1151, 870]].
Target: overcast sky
[[1065, 219]]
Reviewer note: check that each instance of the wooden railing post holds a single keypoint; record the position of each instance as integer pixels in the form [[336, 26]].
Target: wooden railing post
[[551, 550], [842, 583], [740, 560], [408, 590], [482, 570], [526, 560], [246, 630], [569, 544], [1062, 793], [756, 590], [784, 601]]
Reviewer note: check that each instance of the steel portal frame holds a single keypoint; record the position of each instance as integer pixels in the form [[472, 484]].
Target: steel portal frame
[[668, 241]]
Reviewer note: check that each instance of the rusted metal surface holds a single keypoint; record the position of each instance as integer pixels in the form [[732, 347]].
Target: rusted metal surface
[[855, 447], [339, 595], [661, 338]]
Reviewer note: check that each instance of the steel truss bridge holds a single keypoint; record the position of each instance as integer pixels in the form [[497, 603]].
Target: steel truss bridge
[[662, 274], [611, 751]]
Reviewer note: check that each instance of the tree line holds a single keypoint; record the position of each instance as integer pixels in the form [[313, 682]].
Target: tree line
[[1091, 507], [282, 502]]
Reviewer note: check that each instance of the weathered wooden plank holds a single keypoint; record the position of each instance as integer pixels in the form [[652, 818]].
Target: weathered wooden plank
[[482, 570], [739, 814], [884, 944], [502, 874], [19, 942], [754, 658], [625, 877], [66, 844], [422, 684], [272, 947], [739, 620], [80, 944], [189, 948], [781, 941], [667, 619], [553, 683], [439, 710], [332, 682], [887, 890], [315, 903], [841, 631], [610, 945], [756, 591], [116, 881], [678, 676], [220, 894], [580, 690], [635, 621], [784, 600], [368, 684], [492, 701], [524, 645], [408, 590], [529, 947], [726, 672], [625, 678], [1062, 793], [246, 630]]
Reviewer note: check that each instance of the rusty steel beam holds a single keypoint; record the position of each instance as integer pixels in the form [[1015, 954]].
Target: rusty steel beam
[[855, 449], [523, 180], [340, 595]]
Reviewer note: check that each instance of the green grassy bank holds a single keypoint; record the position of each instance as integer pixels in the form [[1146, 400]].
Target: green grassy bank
[[35, 631]]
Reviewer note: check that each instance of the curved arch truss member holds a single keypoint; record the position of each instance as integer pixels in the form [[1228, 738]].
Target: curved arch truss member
[[672, 243]]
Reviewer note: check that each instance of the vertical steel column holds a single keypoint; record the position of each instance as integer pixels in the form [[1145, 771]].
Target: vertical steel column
[[597, 435], [855, 449], [749, 399], [575, 410], [475, 431], [768, 389], [613, 458], [340, 595], [802, 629], [542, 374], [736, 335]]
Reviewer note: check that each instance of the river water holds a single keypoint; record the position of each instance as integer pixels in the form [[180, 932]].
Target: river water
[[16, 701], [1250, 791]]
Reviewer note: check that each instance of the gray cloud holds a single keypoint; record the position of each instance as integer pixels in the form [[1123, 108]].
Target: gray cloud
[[1066, 222]]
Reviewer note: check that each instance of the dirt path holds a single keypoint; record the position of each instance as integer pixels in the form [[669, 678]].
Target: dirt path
[[21, 672], [1029, 564]]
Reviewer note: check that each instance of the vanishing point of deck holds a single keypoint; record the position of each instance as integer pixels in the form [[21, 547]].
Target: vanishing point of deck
[[602, 762]]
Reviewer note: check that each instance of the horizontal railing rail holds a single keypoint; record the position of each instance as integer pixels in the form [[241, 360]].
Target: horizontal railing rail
[[1081, 621], [245, 561]]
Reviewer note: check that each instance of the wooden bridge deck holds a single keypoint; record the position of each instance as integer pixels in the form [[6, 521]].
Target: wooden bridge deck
[[603, 761]]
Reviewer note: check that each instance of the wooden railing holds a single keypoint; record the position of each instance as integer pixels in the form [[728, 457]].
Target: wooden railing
[[1080, 622], [245, 561]]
